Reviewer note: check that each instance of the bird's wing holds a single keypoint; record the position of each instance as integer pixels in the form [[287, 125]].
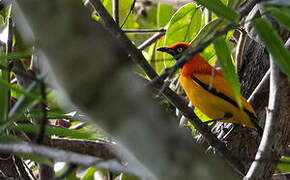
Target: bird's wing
[[220, 85]]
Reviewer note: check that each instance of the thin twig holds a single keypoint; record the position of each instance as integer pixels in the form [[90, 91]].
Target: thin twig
[[175, 99], [240, 50], [261, 86], [26, 75], [22, 169], [115, 10], [151, 40], [272, 121], [44, 120], [9, 49], [200, 47], [143, 31], [130, 11], [67, 156], [69, 170]]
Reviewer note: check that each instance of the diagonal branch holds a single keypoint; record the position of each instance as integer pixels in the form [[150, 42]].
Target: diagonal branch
[[151, 40], [272, 122], [175, 99]]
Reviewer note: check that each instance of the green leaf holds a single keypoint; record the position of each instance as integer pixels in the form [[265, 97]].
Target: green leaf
[[77, 134], [183, 27], [159, 61], [4, 87], [204, 34], [124, 7], [273, 43], [164, 13], [4, 138], [89, 175], [283, 166], [201, 116], [282, 16], [226, 63], [24, 103], [278, 2], [36, 158], [220, 9]]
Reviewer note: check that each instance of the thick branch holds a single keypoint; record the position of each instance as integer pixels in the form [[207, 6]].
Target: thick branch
[[168, 93], [98, 149], [66, 156], [272, 122]]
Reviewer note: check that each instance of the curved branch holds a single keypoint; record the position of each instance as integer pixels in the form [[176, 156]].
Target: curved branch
[[272, 122], [66, 156], [175, 99]]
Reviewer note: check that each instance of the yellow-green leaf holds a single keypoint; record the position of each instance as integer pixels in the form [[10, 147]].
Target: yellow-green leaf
[[273, 43], [226, 63]]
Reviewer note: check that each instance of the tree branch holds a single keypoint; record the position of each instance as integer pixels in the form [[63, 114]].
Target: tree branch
[[143, 31], [176, 100], [98, 149], [261, 86], [272, 122], [200, 47], [66, 156], [151, 40], [115, 6]]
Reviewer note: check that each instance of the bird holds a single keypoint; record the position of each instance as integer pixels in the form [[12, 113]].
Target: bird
[[208, 90]]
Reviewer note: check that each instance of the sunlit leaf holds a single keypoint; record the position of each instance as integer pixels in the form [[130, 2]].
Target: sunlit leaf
[[24, 102], [273, 43], [282, 15], [283, 166], [89, 175], [124, 8], [204, 34], [37, 158], [183, 27], [164, 13], [77, 134], [220, 9], [4, 87], [8, 138], [225, 61]]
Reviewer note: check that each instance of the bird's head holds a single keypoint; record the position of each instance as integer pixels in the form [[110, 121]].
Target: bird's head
[[175, 49]]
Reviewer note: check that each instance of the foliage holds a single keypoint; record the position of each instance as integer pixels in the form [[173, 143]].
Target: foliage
[[183, 24]]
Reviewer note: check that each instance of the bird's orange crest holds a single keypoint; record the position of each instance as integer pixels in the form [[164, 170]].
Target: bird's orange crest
[[182, 45]]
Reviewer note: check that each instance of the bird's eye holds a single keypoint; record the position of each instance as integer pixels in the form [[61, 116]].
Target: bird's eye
[[180, 49]]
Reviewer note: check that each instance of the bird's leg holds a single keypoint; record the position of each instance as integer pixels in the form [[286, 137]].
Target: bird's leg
[[226, 117]]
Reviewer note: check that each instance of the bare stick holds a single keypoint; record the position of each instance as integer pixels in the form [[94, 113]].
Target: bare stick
[[175, 99], [272, 122], [143, 31], [115, 6], [66, 156], [260, 87], [151, 40]]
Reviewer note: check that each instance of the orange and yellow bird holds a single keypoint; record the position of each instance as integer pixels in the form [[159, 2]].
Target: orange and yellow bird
[[208, 90]]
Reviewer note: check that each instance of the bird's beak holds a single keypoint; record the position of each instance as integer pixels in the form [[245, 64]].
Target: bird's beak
[[163, 49], [167, 50]]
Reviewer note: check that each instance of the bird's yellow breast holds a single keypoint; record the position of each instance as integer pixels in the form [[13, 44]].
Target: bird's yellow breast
[[213, 105]]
